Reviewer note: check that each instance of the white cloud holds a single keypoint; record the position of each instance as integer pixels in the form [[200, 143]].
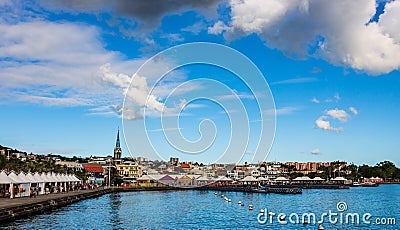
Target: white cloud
[[339, 114], [121, 80], [136, 90], [218, 28], [295, 81], [337, 96], [320, 29], [324, 124], [315, 151], [164, 130], [195, 28], [282, 111], [315, 100], [234, 95], [55, 64], [389, 21], [353, 110], [63, 64]]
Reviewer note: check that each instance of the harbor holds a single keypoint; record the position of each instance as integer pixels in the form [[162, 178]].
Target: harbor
[[204, 209]]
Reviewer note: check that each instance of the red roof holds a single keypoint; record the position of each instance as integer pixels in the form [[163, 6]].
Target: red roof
[[185, 166], [93, 168]]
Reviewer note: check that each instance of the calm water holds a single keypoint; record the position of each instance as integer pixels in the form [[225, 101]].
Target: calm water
[[204, 210]]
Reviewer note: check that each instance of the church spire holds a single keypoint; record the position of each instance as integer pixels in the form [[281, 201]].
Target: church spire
[[118, 144], [117, 149]]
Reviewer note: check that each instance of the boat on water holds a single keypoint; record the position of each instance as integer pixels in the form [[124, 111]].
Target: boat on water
[[365, 184]]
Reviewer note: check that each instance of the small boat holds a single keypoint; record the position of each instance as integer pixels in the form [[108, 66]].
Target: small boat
[[356, 184], [369, 184]]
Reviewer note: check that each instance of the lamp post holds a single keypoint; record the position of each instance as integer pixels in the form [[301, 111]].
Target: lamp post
[[109, 173]]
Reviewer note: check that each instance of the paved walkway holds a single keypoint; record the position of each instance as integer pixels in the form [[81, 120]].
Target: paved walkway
[[15, 202]]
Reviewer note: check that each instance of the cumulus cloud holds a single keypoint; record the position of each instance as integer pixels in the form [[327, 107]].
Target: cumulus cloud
[[218, 28], [315, 100], [323, 123], [304, 28], [136, 91], [53, 64], [353, 110], [339, 114], [315, 151]]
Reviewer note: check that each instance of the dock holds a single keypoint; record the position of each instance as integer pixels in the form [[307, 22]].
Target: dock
[[312, 186], [280, 190]]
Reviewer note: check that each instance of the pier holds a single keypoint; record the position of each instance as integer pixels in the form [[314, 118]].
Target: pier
[[280, 190]]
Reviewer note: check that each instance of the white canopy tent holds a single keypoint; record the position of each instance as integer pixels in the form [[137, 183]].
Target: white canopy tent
[[5, 183], [338, 179], [262, 178], [223, 179], [281, 178], [318, 179], [30, 177], [5, 179], [23, 185], [75, 179], [302, 178], [249, 180], [40, 182]]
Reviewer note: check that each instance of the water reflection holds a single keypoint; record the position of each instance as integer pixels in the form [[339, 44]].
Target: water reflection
[[115, 202]]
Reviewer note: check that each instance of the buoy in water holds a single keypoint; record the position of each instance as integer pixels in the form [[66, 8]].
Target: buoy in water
[[242, 204], [229, 200], [320, 227], [250, 207], [215, 193], [239, 202]]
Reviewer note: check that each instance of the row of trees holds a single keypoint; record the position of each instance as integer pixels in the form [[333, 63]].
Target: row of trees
[[39, 165], [385, 169]]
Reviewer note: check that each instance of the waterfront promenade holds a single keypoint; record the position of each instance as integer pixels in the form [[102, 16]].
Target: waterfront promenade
[[16, 202]]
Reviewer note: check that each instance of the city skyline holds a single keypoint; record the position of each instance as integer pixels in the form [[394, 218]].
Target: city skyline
[[65, 67]]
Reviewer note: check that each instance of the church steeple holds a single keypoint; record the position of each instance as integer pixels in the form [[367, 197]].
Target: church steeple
[[117, 149], [117, 144]]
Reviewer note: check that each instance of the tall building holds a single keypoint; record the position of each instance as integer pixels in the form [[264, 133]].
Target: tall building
[[117, 149]]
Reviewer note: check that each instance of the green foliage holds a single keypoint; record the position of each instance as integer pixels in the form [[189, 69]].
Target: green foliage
[[385, 169], [18, 165], [295, 174]]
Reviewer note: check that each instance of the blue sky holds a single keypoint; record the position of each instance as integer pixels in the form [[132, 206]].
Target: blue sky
[[332, 69]]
